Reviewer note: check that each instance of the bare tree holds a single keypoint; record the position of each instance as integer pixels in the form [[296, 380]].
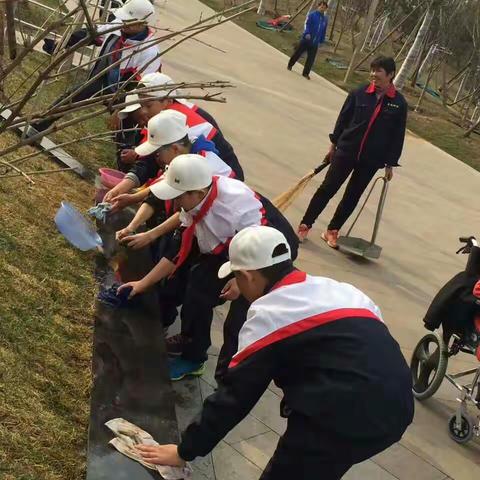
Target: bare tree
[[23, 105], [415, 50]]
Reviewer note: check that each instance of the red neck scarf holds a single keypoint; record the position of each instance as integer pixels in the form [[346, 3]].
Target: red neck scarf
[[189, 232]]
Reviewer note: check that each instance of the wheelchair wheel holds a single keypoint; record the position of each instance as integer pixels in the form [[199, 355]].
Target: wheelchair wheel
[[463, 432], [428, 365]]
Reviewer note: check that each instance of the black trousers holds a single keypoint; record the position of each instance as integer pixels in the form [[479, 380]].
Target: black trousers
[[306, 452], [304, 46], [202, 295], [341, 167], [237, 314]]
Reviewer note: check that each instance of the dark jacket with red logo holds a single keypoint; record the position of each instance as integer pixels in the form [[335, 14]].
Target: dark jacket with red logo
[[324, 344], [373, 132]]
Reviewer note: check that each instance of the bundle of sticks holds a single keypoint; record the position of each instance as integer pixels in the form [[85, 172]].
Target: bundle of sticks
[[283, 201]]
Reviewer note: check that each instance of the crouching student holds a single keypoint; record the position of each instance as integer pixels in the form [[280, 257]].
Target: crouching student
[[213, 209], [167, 135], [347, 388]]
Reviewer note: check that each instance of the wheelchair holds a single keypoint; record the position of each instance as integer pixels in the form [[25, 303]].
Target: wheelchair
[[458, 312]]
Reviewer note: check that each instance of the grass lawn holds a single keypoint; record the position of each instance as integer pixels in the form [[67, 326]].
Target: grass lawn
[[46, 312], [433, 122]]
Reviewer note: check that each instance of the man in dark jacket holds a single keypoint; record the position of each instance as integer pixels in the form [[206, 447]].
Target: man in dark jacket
[[313, 35], [346, 386], [368, 135]]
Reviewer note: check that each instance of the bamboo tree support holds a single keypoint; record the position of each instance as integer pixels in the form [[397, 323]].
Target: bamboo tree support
[[384, 39], [427, 81], [334, 21], [302, 7], [366, 27], [12, 40]]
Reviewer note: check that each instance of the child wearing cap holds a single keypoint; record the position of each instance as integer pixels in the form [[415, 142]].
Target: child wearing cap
[[347, 390], [213, 209], [166, 138], [200, 123], [133, 45]]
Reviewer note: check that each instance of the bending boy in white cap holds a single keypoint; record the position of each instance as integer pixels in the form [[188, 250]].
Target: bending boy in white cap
[[167, 137], [346, 386], [213, 209], [199, 122]]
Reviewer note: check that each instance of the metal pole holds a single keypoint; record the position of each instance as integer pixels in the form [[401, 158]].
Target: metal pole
[[330, 37], [381, 204]]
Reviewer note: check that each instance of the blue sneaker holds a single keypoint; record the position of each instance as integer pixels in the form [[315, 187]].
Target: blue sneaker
[[180, 368]]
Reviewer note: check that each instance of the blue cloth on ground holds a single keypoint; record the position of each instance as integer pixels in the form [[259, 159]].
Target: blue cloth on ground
[[112, 297], [100, 211]]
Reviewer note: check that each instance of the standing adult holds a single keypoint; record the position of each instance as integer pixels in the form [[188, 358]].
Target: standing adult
[[368, 135], [313, 35]]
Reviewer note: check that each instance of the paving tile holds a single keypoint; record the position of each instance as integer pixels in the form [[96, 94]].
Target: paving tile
[[405, 465], [277, 391], [231, 465], [368, 470], [247, 428], [188, 402], [267, 410], [209, 374], [258, 449]]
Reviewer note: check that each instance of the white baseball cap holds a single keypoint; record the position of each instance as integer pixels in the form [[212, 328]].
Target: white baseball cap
[[157, 79], [184, 174], [122, 114], [252, 249], [134, 10], [166, 127]]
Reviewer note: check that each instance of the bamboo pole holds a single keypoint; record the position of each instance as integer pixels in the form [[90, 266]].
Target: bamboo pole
[[12, 40]]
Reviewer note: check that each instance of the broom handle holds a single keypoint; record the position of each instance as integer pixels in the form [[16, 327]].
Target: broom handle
[[321, 167]]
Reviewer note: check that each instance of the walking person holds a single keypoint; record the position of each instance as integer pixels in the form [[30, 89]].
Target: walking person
[[313, 35], [347, 390], [368, 135]]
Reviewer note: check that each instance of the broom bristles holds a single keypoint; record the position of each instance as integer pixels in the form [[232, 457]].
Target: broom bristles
[[283, 201]]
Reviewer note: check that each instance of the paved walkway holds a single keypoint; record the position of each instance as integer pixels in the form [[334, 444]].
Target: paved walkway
[[279, 125]]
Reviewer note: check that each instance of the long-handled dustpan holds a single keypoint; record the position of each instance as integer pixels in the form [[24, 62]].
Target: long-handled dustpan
[[360, 246]]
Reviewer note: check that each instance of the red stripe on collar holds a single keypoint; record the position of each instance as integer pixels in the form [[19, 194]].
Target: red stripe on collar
[[390, 93], [297, 276]]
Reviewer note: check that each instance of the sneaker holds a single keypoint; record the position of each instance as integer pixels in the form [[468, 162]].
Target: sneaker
[[289, 68], [302, 232], [307, 77], [331, 237], [176, 343], [180, 368]]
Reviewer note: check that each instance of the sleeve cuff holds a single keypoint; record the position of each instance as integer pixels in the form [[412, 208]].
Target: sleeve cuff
[[131, 176], [184, 453]]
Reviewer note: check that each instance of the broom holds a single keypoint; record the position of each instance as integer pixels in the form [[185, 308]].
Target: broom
[[283, 201]]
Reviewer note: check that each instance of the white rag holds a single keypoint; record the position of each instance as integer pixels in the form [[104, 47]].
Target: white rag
[[127, 435]]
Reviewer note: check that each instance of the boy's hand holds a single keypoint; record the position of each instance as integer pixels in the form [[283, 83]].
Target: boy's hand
[[230, 291], [161, 455]]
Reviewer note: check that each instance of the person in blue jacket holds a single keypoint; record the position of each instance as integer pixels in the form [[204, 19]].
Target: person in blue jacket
[[313, 35]]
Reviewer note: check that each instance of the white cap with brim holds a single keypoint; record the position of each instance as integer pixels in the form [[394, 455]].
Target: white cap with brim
[[252, 249], [141, 10], [122, 114], [165, 128], [185, 173], [157, 79]]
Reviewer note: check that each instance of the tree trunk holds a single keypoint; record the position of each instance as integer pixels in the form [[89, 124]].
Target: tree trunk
[[414, 51], [366, 27]]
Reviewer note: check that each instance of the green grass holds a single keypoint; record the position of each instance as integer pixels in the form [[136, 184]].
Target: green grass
[[433, 122], [46, 312]]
